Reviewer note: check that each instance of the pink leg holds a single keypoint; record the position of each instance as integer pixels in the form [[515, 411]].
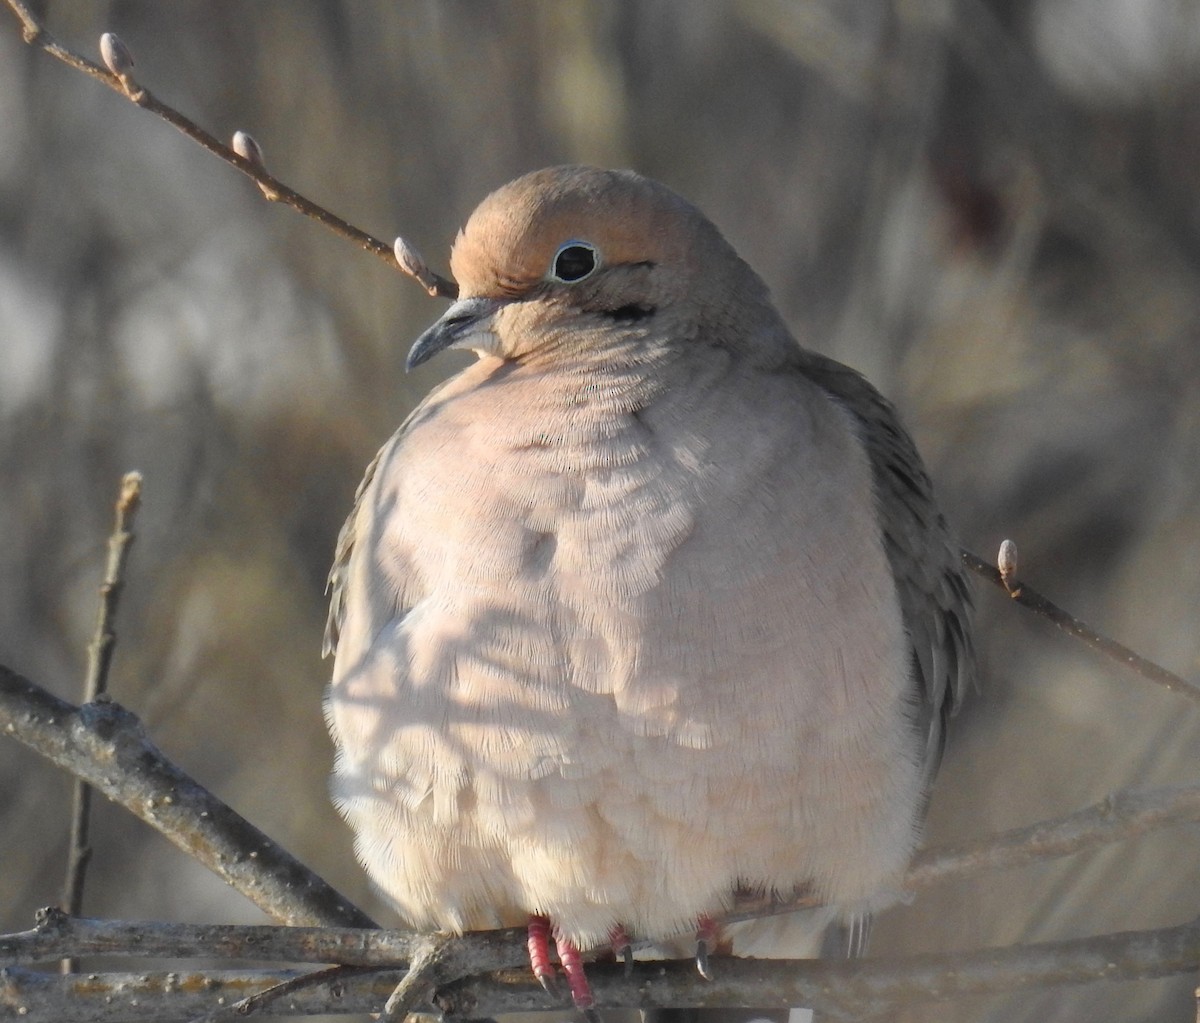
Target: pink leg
[[572, 964], [539, 953]]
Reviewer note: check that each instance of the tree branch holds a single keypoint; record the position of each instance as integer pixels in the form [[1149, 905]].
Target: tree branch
[[104, 639], [259, 1002], [1028, 597], [56, 935], [1146, 954], [843, 990], [1121, 816], [119, 78], [100, 652], [104, 744]]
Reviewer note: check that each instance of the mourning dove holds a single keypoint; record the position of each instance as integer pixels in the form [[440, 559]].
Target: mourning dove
[[646, 606]]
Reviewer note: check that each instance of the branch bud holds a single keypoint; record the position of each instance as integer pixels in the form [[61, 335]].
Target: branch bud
[[131, 493], [1006, 561], [410, 260], [116, 55], [413, 263], [247, 147]]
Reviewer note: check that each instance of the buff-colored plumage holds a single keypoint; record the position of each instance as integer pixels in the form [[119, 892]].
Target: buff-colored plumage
[[647, 604]]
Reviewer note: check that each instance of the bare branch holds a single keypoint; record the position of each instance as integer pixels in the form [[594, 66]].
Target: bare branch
[[1028, 597], [259, 1003], [427, 971], [100, 650], [104, 744], [1121, 816], [880, 985], [134, 997], [56, 935], [273, 189], [843, 990]]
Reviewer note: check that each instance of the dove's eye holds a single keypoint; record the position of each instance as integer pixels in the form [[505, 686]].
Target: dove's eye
[[574, 261]]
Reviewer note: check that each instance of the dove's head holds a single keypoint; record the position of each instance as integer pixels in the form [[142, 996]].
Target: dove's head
[[584, 262]]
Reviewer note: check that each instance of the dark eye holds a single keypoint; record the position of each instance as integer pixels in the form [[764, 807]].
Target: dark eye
[[573, 262]]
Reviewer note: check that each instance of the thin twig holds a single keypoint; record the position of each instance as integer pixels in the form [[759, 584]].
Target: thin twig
[[1028, 597], [1119, 817], [426, 972], [334, 978], [100, 652], [34, 33]]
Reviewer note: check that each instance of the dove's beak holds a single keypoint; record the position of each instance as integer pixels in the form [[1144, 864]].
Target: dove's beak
[[466, 324]]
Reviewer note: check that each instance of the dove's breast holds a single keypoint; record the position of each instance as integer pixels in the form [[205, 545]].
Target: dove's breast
[[605, 654]]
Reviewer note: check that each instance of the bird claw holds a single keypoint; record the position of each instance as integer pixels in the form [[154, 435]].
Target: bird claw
[[550, 985], [706, 933], [572, 964], [622, 947]]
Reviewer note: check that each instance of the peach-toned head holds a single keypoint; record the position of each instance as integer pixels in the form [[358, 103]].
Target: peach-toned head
[[575, 257]]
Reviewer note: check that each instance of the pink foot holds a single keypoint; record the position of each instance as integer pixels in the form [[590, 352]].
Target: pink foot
[[577, 982], [539, 954], [572, 964]]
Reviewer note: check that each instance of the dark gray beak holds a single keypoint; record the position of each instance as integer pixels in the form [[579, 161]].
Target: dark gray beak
[[466, 324]]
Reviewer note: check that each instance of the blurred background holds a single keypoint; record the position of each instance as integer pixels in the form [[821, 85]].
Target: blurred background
[[990, 207]]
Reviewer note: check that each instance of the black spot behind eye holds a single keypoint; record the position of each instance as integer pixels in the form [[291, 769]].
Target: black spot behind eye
[[573, 262], [628, 314]]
